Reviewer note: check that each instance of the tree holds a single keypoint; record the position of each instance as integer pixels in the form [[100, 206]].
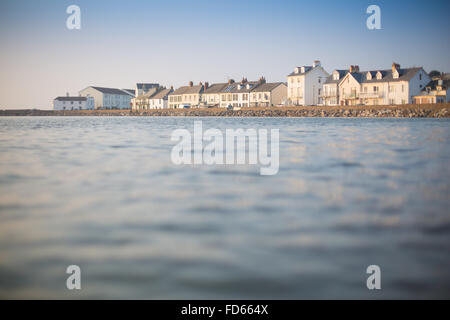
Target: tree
[[434, 74]]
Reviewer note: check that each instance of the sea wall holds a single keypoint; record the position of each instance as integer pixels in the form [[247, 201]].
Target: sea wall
[[406, 111]]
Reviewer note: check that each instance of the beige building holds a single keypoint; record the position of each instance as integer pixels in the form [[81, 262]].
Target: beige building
[[381, 87], [268, 95], [436, 91], [330, 91], [211, 94], [186, 96], [305, 85]]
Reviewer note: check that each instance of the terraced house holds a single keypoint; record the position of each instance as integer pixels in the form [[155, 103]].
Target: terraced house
[[330, 91], [186, 96], [238, 94], [382, 87], [268, 94], [211, 94]]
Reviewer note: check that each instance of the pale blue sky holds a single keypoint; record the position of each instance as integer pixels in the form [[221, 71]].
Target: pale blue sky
[[172, 42]]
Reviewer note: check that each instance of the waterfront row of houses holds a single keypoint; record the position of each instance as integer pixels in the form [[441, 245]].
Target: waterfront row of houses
[[306, 86]]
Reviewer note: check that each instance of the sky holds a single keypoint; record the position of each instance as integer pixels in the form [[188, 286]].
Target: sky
[[172, 42]]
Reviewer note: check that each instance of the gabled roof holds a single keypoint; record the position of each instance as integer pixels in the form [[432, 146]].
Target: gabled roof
[[330, 79], [111, 91], [307, 69], [234, 87], [71, 98], [215, 88], [132, 91], [161, 94], [188, 90], [404, 75], [434, 83], [267, 87]]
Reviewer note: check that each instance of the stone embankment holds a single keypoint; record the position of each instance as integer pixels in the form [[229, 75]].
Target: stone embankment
[[405, 111]]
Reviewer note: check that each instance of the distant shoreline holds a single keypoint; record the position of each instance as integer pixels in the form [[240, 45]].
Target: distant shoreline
[[401, 111]]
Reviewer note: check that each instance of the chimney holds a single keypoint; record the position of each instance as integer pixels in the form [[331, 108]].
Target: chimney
[[191, 83], [262, 80], [206, 85], [230, 81], [354, 69], [316, 63], [395, 66], [171, 87]]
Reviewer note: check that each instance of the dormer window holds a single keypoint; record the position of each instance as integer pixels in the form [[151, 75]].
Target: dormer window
[[379, 75], [395, 74], [368, 76], [302, 69], [297, 70], [336, 76]]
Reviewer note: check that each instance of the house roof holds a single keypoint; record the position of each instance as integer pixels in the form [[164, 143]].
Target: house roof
[[434, 83], [266, 87], [404, 75], [71, 98], [234, 87], [111, 91], [132, 91], [330, 79], [188, 90], [162, 94], [215, 88], [307, 69]]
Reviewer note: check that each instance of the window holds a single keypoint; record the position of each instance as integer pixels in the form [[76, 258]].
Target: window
[[420, 76], [375, 89]]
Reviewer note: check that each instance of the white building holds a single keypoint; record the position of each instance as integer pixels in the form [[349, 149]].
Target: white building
[[382, 87], [109, 98], [73, 103], [305, 85], [160, 100]]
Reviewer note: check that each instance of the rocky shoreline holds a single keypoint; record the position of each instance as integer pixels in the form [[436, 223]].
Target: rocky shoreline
[[408, 111]]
